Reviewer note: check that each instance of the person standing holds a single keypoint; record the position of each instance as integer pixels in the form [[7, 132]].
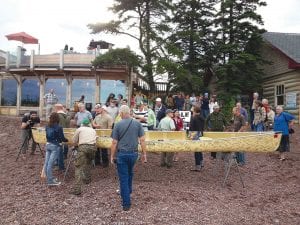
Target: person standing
[[102, 121], [64, 122], [217, 122], [197, 125], [167, 124], [55, 137], [239, 125], [259, 116], [282, 122], [28, 121], [82, 114], [151, 119], [178, 127], [126, 135], [50, 99], [85, 138], [160, 110], [243, 111], [252, 110], [205, 106]]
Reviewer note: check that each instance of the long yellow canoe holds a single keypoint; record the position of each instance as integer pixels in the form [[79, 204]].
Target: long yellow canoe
[[177, 141]]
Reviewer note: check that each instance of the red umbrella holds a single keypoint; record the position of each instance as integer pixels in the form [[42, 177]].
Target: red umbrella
[[23, 37]]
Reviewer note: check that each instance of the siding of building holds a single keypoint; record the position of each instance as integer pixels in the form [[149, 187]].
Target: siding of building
[[278, 73]]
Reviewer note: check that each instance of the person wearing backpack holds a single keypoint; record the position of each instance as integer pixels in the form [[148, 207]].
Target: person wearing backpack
[[283, 121]]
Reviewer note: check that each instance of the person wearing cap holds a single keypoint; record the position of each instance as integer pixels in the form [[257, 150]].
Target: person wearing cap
[[29, 120], [167, 124], [102, 121], [160, 110], [215, 122], [82, 114], [85, 138], [126, 135], [205, 106], [96, 110]]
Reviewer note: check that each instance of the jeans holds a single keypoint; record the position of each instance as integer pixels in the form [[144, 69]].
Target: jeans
[[51, 156], [125, 164], [61, 156], [259, 127], [240, 157], [205, 113], [198, 155]]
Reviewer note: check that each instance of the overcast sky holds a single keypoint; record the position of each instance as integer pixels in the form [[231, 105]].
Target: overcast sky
[[59, 22]]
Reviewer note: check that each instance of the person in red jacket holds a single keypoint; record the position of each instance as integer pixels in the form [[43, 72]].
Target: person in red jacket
[[179, 126]]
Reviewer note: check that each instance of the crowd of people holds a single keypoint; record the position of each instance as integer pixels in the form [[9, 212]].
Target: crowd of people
[[130, 120]]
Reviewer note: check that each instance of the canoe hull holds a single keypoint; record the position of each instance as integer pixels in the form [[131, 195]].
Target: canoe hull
[[159, 141]]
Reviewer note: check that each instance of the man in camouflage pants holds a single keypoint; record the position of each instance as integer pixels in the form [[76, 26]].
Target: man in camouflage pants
[[215, 122], [85, 137]]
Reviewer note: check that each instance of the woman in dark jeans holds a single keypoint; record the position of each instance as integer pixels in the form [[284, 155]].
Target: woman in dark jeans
[[55, 136], [197, 125]]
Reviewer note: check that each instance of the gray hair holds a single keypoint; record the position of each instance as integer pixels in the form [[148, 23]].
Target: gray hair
[[256, 94], [124, 109], [264, 101], [279, 107]]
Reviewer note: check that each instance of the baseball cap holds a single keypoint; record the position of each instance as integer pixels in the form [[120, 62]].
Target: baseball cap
[[158, 99], [85, 121], [216, 106]]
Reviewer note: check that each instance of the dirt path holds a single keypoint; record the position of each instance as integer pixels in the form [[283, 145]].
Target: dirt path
[[160, 196]]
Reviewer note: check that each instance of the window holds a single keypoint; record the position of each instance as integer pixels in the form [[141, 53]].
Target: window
[[9, 92], [30, 95], [84, 87], [111, 86], [280, 94], [60, 89]]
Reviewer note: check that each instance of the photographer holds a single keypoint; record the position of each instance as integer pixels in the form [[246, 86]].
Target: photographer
[[28, 121]]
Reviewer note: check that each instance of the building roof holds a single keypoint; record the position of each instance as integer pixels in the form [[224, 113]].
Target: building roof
[[288, 43]]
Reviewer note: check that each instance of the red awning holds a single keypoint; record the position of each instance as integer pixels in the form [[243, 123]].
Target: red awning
[[23, 37]]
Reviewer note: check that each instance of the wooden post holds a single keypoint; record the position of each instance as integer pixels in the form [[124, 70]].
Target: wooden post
[[42, 93], [32, 60], [7, 62], [61, 59], [19, 55]]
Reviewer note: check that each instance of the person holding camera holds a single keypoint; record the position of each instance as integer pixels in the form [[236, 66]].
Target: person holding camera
[[28, 121]]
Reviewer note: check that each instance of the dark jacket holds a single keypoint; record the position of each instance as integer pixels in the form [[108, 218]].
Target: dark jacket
[[55, 134], [197, 123], [161, 113]]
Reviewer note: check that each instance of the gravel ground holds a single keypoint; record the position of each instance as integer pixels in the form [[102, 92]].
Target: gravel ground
[[160, 195]]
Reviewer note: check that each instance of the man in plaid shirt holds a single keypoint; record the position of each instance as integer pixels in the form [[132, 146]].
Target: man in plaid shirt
[[50, 100]]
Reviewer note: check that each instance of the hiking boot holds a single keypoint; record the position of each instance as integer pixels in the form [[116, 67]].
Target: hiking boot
[[126, 208], [75, 192]]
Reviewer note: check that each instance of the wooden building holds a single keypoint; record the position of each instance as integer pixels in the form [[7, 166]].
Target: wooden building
[[281, 82], [65, 70]]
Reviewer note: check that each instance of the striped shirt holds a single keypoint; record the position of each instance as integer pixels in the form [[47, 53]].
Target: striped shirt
[[141, 115]]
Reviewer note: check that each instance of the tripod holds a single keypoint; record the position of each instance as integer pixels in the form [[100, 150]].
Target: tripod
[[26, 141], [72, 158]]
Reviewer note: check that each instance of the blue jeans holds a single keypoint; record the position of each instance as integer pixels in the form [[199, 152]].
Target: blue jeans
[[125, 164], [259, 127], [61, 156], [51, 155], [198, 155], [240, 157], [205, 113]]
